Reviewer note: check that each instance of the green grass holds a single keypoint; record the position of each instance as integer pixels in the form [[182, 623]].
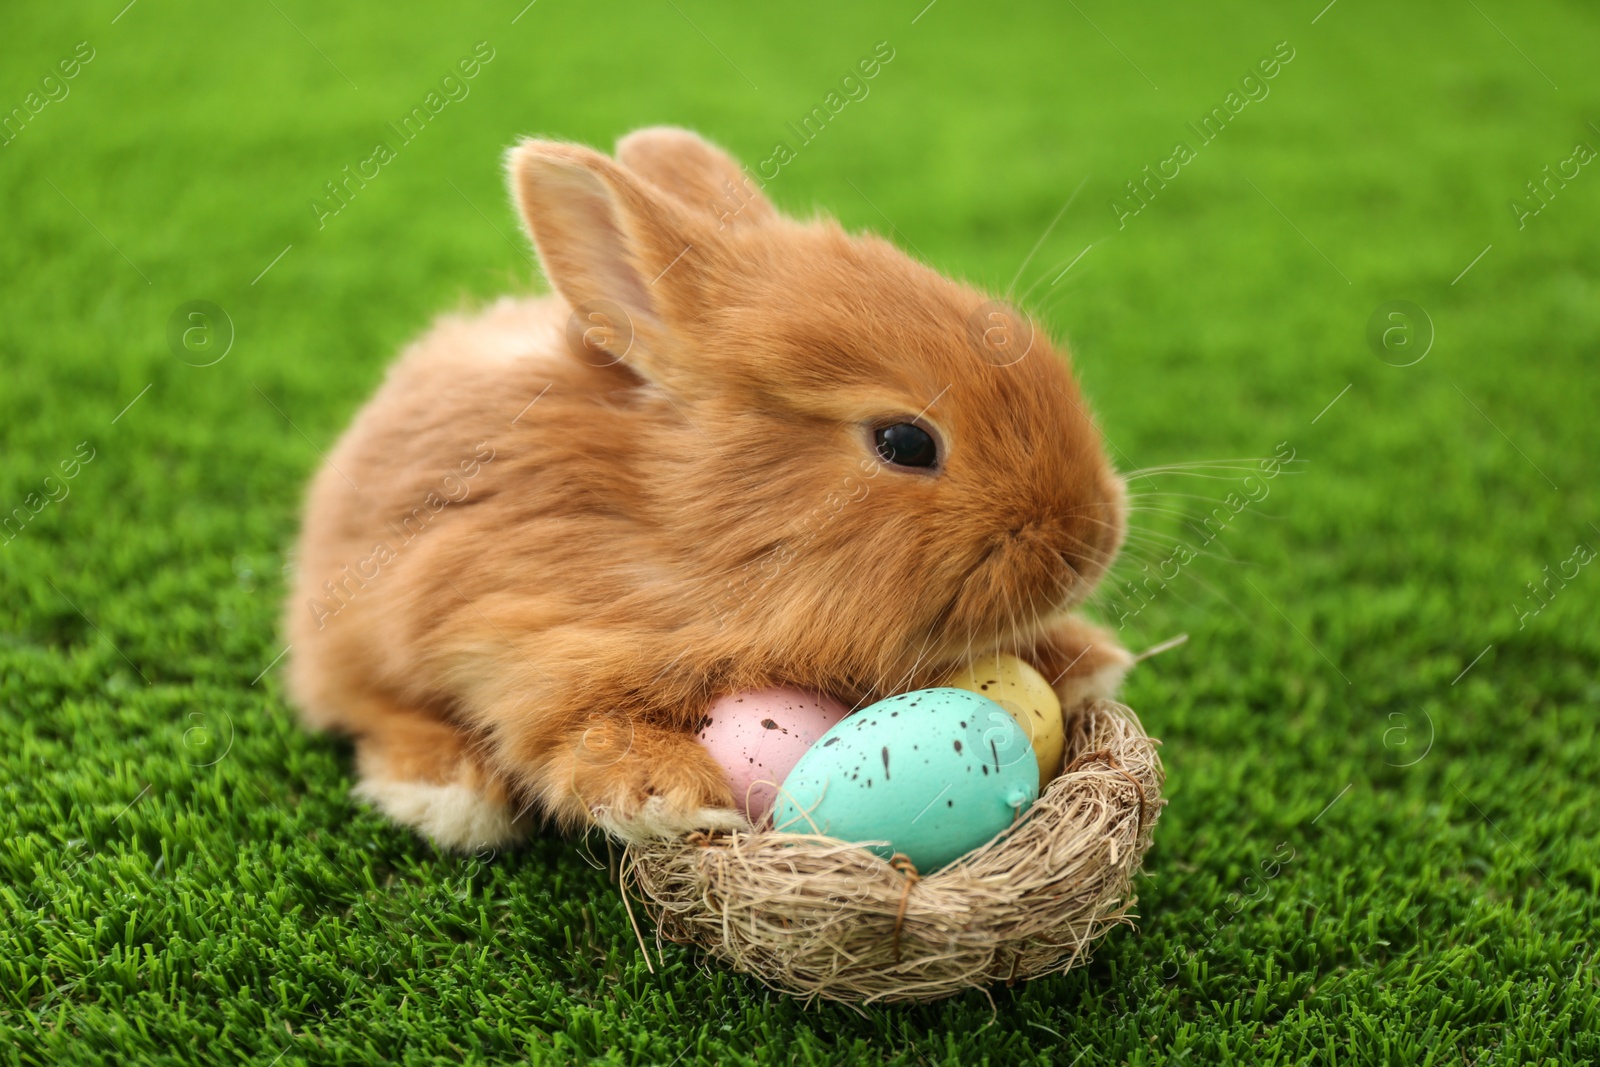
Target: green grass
[[183, 877]]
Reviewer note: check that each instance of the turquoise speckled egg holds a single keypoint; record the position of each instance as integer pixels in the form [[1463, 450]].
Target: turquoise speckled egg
[[935, 772]]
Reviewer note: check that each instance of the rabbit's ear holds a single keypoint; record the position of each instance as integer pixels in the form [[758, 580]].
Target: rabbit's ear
[[697, 172], [621, 253]]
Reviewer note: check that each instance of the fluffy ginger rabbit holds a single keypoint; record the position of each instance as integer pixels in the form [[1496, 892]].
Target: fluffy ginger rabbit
[[732, 450]]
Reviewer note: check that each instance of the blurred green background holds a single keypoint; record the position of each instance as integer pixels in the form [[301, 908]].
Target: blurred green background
[[1380, 737]]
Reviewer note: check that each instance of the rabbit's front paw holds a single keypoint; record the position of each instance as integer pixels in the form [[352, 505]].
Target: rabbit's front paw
[[1085, 663], [639, 782], [656, 818]]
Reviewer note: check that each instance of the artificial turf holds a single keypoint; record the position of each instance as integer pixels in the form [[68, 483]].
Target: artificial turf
[[1381, 741]]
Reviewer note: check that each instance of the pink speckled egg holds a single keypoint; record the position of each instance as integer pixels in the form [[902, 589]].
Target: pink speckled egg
[[758, 737]]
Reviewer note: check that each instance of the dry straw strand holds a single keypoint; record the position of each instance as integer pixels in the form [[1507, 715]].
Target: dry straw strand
[[825, 919]]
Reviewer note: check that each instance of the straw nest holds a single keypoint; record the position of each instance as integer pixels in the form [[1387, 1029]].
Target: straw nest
[[823, 918]]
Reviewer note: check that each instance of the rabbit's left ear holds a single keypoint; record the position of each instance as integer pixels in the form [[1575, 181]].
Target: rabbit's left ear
[[631, 262], [697, 173]]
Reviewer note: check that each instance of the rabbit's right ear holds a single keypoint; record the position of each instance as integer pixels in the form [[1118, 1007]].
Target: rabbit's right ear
[[697, 172], [622, 254]]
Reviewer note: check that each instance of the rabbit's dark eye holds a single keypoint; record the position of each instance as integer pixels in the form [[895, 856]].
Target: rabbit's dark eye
[[906, 444]]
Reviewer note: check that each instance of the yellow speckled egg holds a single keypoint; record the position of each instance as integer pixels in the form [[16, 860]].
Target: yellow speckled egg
[[1024, 692]]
